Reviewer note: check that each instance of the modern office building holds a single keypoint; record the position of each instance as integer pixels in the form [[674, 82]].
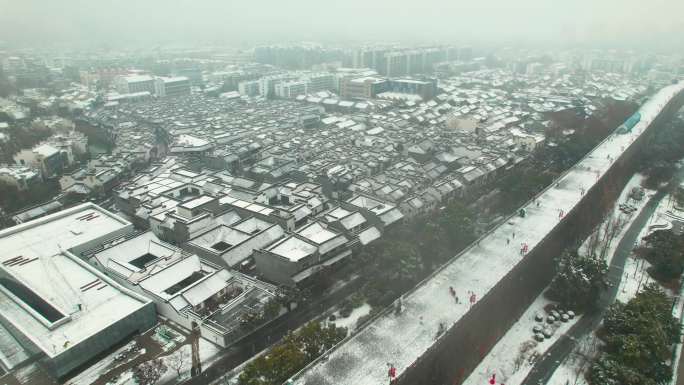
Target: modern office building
[[56, 308], [134, 83], [291, 89], [319, 82], [171, 86], [426, 89], [362, 88]]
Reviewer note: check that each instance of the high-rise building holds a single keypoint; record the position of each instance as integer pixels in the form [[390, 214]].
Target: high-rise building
[[249, 88], [290, 89], [319, 82], [401, 62], [397, 64]]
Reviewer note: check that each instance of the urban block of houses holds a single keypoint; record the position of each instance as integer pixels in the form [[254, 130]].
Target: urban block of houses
[[184, 287], [20, 177], [302, 254]]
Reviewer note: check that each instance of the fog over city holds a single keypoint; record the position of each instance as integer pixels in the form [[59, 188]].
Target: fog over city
[[341, 192], [655, 24]]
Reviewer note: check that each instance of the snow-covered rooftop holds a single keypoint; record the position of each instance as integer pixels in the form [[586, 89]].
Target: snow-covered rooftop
[[46, 150], [402, 339], [68, 300], [293, 249], [316, 233], [63, 230]]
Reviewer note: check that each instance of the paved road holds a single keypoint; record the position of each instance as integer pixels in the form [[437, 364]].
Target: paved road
[[247, 348], [544, 368]]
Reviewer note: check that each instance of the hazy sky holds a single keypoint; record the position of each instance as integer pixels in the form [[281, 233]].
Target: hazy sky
[[125, 22]]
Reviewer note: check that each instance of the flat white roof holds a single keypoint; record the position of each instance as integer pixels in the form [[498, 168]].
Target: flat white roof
[[35, 255], [60, 231], [138, 78], [46, 150], [173, 79]]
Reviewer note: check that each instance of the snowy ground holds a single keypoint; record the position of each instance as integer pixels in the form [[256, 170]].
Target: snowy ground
[[180, 358], [507, 358], [662, 218], [350, 322], [634, 277], [208, 354], [126, 378], [106, 364], [617, 215], [572, 370], [347, 322], [514, 355]]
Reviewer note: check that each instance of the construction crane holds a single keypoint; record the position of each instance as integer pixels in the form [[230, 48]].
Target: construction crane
[[194, 343]]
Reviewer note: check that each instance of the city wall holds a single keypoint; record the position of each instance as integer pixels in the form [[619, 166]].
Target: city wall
[[459, 351]]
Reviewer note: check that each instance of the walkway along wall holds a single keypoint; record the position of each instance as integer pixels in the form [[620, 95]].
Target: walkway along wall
[[453, 357]]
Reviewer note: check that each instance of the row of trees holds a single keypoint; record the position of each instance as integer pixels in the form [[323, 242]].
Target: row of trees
[[638, 339], [665, 149], [12, 199], [295, 351], [21, 137], [407, 254]]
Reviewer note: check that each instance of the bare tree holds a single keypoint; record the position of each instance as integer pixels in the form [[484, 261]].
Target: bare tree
[[585, 353], [611, 232], [594, 242], [149, 372], [607, 230], [177, 361]]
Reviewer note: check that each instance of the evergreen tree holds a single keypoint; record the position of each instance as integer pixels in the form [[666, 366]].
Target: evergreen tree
[[579, 281]]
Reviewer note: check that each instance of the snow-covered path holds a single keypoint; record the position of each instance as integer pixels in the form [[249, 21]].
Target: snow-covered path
[[504, 358]]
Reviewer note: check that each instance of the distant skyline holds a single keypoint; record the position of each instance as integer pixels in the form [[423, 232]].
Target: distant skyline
[[655, 24]]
